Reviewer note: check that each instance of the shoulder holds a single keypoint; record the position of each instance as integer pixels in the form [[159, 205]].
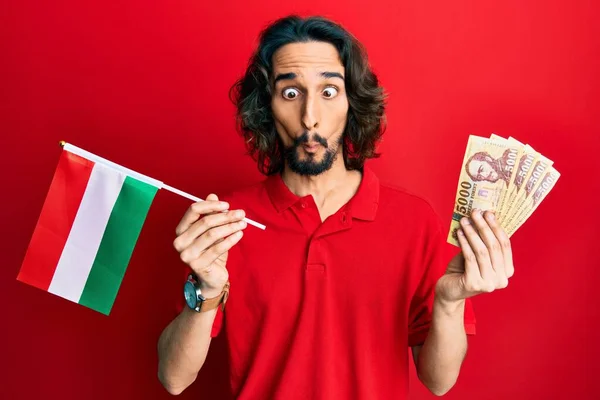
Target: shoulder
[[397, 198], [244, 194], [411, 212]]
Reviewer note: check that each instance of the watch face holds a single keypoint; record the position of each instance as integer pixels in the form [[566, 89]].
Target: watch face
[[190, 294]]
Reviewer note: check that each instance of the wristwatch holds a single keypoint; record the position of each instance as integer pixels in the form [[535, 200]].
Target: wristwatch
[[196, 301]]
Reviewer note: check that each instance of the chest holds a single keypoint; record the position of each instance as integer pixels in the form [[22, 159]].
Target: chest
[[358, 266]]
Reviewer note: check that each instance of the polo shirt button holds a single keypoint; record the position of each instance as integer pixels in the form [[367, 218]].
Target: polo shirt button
[[303, 205], [344, 218]]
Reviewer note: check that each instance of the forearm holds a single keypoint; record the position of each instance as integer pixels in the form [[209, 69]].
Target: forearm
[[444, 349], [182, 349]]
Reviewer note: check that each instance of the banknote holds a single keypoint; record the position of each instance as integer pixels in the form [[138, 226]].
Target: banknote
[[538, 171], [517, 149], [504, 175], [484, 176], [546, 185], [528, 158]]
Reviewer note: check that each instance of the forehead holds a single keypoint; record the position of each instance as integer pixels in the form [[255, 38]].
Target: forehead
[[295, 57], [475, 164]]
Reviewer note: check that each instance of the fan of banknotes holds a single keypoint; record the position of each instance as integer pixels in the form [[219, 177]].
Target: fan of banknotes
[[503, 175]]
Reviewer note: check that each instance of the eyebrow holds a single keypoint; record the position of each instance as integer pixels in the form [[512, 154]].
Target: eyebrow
[[292, 75]]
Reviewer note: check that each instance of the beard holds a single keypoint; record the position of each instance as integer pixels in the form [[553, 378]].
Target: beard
[[492, 177], [498, 171], [310, 167]]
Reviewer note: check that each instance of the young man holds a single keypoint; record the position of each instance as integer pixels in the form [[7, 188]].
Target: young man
[[349, 272]]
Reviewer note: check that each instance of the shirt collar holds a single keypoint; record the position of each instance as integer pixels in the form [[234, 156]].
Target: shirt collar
[[363, 205]]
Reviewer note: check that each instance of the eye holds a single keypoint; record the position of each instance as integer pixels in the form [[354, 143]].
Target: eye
[[290, 93], [330, 92]]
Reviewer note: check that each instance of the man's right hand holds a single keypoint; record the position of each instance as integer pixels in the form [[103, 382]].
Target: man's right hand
[[204, 237]]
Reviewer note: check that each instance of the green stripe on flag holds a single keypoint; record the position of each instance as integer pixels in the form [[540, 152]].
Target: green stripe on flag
[[116, 247]]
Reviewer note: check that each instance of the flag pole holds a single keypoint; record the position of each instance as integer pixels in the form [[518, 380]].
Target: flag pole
[[197, 199], [161, 185]]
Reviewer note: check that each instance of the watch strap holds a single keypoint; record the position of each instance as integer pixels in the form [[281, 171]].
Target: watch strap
[[221, 299]]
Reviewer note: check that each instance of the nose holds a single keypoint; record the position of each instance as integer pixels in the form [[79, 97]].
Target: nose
[[310, 113]]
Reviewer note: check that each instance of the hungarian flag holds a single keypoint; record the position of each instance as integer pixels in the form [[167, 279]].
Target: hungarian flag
[[87, 230]]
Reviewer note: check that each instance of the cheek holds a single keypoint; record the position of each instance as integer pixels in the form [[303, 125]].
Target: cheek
[[279, 112], [336, 114], [284, 116], [342, 108]]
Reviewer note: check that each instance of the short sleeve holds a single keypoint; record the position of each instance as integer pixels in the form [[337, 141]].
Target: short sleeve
[[435, 255], [218, 322]]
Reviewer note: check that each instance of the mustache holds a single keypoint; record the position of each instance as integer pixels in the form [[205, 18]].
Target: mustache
[[302, 139]]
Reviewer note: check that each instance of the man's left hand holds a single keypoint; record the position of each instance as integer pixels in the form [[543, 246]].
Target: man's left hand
[[485, 263]]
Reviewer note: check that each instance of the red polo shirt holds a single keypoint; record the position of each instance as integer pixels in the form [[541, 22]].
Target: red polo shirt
[[327, 310]]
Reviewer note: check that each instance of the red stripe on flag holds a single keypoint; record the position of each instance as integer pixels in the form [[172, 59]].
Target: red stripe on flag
[[56, 219]]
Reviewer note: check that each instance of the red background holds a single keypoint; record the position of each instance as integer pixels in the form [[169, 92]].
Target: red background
[[145, 84]]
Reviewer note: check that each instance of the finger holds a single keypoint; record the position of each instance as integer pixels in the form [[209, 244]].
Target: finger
[[216, 251], [211, 238], [471, 268], [504, 241], [493, 246], [197, 209], [473, 279], [479, 249], [205, 225]]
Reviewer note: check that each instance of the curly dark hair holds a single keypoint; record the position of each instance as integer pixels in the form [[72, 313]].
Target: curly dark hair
[[252, 93]]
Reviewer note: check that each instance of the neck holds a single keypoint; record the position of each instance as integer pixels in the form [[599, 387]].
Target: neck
[[330, 190]]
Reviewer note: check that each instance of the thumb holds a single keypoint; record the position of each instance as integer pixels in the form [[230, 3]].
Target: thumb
[[212, 197]]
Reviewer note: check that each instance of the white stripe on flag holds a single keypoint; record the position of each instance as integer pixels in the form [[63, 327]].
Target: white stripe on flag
[[86, 233]]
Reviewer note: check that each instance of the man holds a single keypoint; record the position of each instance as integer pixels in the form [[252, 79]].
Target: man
[[483, 167], [349, 273]]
